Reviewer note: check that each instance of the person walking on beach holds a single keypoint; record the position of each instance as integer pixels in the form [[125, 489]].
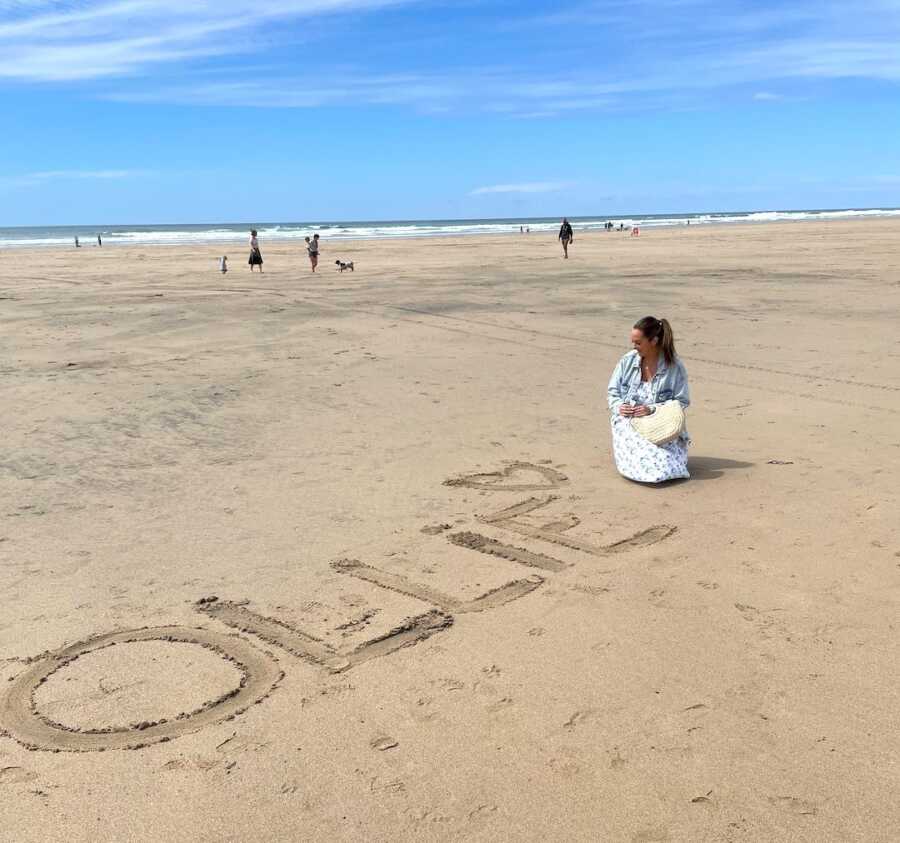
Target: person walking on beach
[[99, 240], [566, 236], [223, 264], [77, 244], [645, 379], [312, 249], [255, 254]]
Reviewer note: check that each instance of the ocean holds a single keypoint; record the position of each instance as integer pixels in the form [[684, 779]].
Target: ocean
[[175, 235]]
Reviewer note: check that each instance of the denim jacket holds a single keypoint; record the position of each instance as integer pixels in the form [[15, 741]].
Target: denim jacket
[[669, 382]]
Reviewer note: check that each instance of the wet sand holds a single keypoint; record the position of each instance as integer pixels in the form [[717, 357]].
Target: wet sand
[[440, 614]]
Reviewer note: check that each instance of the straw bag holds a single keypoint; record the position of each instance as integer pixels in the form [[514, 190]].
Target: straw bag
[[663, 426]]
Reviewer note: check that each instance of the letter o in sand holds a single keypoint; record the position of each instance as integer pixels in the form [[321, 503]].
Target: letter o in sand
[[21, 719]]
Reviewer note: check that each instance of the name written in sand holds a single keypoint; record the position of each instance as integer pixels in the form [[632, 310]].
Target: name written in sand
[[258, 672]]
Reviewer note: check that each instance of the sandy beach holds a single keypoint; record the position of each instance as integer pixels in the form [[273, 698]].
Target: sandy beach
[[440, 613]]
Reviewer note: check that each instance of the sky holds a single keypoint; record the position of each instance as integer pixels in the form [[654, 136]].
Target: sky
[[169, 111]]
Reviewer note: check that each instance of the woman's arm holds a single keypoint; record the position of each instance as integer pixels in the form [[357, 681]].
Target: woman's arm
[[614, 397], [682, 390]]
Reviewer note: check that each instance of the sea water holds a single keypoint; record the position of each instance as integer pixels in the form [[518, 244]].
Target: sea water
[[356, 230]]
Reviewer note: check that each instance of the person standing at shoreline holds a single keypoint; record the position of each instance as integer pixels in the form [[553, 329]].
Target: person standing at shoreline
[[566, 236], [255, 254], [312, 249]]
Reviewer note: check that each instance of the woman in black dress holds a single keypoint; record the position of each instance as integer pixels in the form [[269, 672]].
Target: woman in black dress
[[255, 254]]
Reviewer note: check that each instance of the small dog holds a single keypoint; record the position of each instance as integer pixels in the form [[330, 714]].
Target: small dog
[[342, 265]]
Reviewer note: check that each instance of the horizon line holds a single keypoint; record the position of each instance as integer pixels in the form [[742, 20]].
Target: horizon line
[[326, 222]]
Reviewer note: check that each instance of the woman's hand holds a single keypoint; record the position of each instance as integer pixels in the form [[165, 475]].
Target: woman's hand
[[640, 410], [626, 410]]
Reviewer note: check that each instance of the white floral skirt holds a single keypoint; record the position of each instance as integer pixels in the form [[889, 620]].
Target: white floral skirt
[[638, 459]]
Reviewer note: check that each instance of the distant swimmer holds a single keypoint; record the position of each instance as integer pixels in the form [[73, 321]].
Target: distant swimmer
[[223, 264], [255, 254], [566, 236]]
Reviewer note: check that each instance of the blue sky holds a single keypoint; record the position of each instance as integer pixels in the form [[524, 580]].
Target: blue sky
[[129, 111]]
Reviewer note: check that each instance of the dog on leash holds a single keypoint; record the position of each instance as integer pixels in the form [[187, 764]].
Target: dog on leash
[[342, 265]]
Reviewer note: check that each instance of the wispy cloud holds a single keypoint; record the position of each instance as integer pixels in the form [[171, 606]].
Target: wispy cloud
[[46, 176], [56, 175], [524, 187], [663, 52], [57, 40]]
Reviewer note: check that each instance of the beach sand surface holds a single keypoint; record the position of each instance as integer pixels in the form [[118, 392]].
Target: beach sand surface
[[538, 650]]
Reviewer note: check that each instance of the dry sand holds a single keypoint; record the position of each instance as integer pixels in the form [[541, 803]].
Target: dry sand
[[713, 660]]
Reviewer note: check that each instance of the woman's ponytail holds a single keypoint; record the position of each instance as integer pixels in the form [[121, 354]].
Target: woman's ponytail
[[667, 341], [661, 331]]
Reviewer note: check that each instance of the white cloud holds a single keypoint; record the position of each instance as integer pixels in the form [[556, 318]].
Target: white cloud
[[55, 175], [71, 175], [525, 187], [65, 40], [673, 52]]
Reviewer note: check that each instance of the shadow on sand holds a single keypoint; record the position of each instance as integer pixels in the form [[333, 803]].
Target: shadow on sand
[[701, 468], [710, 468]]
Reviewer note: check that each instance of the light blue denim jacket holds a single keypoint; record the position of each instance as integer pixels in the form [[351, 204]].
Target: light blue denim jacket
[[669, 382]]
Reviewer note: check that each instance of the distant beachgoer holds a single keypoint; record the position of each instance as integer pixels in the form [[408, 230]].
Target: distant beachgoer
[[255, 254], [312, 249], [77, 244], [636, 231], [223, 264], [521, 229], [99, 240], [644, 379], [528, 229], [566, 236]]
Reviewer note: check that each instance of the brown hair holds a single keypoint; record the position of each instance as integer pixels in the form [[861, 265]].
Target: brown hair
[[661, 331]]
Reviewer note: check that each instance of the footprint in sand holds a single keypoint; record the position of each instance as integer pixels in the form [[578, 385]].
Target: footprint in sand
[[384, 743], [578, 718], [435, 529], [795, 806], [16, 775], [482, 812], [651, 835]]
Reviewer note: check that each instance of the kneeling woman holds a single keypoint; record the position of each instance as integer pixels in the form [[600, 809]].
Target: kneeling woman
[[644, 379]]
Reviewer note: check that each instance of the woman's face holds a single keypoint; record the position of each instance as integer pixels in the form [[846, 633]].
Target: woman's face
[[641, 344]]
